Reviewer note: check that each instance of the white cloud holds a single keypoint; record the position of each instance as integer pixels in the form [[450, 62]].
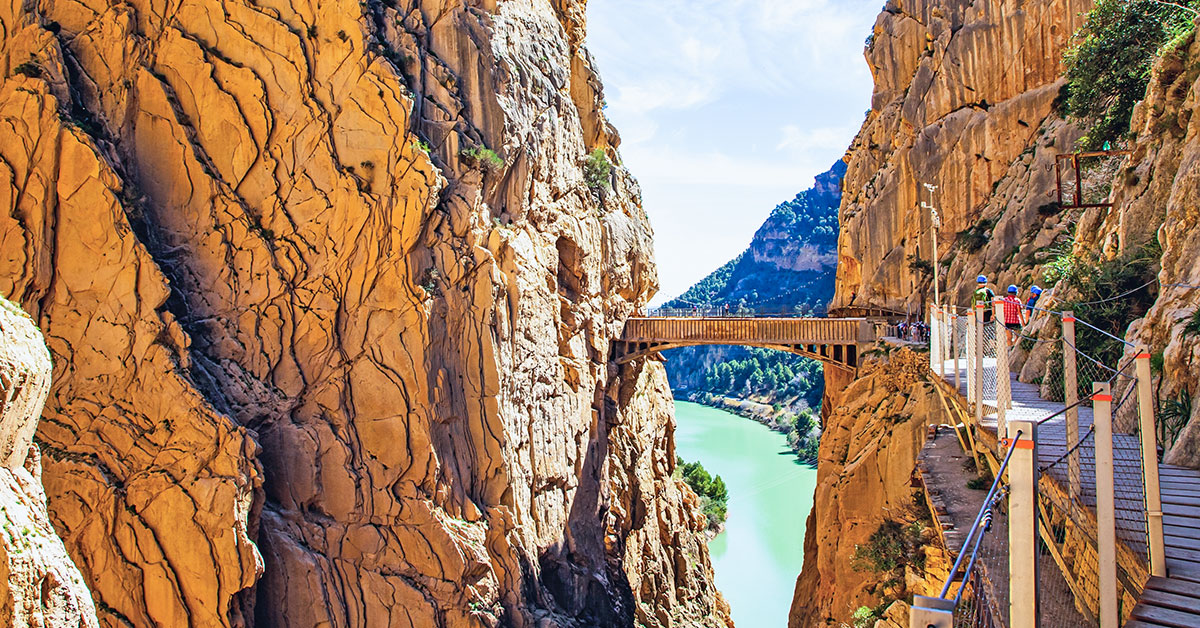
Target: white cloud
[[724, 102]]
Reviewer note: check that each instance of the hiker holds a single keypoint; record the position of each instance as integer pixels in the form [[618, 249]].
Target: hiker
[[1014, 315], [983, 294], [1034, 294]]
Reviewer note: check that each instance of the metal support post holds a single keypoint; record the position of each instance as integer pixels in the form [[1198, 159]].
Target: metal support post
[[1070, 397], [1154, 517], [1106, 513], [1023, 526], [931, 612]]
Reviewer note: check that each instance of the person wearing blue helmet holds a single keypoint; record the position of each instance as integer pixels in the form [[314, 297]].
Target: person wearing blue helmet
[[983, 294], [1034, 293], [1013, 315]]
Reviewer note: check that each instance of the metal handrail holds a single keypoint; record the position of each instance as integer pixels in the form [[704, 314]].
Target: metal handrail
[[987, 505]]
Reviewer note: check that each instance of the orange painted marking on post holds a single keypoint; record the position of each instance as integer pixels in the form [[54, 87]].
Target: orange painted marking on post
[[1024, 443], [1068, 319], [1144, 356], [1101, 397]]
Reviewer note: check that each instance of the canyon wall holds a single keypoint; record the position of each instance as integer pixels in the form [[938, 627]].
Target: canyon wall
[[330, 303], [964, 100], [1156, 197], [873, 433], [39, 585]]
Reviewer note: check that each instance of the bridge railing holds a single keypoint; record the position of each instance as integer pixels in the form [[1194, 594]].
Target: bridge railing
[[1096, 481]]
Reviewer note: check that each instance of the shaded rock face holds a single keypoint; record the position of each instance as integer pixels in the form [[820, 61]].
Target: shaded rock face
[[39, 585], [868, 453], [330, 305], [1156, 195], [964, 95]]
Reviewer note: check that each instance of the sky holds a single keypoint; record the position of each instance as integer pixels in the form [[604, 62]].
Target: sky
[[727, 108]]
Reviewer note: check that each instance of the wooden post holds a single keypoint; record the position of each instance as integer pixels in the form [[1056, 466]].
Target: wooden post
[[1023, 526], [1003, 385], [979, 353], [1070, 397], [935, 347], [1106, 513], [969, 354], [1154, 518], [954, 346]]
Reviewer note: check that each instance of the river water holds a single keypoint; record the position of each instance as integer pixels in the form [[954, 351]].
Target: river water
[[758, 556]]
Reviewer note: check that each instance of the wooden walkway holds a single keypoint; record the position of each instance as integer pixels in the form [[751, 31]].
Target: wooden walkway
[[1171, 602]]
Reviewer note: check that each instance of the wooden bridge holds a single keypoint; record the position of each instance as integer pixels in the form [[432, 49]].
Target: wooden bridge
[[835, 341]]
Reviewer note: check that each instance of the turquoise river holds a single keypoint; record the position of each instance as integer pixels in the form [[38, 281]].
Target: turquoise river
[[758, 556]]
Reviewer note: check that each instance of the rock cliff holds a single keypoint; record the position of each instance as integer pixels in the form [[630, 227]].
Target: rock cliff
[[964, 100], [867, 457], [1155, 198], [330, 302], [39, 585]]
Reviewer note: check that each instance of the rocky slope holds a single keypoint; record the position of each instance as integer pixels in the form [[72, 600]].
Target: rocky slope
[[39, 585], [1155, 197], [330, 305], [964, 100], [867, 456]]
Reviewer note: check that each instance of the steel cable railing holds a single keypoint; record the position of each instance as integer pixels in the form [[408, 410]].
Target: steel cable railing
[[1068, 585]]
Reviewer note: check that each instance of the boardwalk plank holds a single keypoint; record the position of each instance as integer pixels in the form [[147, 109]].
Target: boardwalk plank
[[1166, 616], [1178, 587]]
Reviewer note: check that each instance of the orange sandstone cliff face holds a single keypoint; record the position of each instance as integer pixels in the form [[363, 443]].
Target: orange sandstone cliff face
[[964, 100], [330, 306]]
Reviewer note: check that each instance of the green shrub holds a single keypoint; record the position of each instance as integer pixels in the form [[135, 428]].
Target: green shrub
[[29, 68], [1109, 295], [920, 266], [1108, 67], [1192, 328], [596, 170], [977, 235], [714, 495], [891, 548], [1173, 416], [485, 158]]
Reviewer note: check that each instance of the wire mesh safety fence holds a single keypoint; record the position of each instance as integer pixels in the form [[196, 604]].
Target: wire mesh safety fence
[[983, 598], [1069, 591]]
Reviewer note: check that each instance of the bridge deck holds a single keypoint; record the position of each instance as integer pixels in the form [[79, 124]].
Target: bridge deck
[[1180, 495], [835, 341]]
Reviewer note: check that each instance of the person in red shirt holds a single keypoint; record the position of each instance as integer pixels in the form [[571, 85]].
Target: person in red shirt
[[1014, 315]]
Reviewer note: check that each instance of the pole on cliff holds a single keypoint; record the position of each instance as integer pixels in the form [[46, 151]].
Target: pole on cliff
[[1070, 397], [933, 257], [931, 612]]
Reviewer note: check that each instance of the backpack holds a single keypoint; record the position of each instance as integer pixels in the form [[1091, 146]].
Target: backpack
[[983, 295]]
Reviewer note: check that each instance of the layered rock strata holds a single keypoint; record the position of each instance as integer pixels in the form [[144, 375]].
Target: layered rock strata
[[867, 458], [39, 585], [330, 303], [964, 100]]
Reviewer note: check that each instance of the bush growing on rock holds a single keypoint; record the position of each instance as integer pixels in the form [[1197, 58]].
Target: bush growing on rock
[[596, 170], [1108, 68]]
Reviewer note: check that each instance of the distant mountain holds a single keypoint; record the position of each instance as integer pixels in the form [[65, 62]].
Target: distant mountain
[[791, 262], [789, 267]]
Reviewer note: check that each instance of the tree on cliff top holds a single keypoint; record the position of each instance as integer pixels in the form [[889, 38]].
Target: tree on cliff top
[[1108, 68]]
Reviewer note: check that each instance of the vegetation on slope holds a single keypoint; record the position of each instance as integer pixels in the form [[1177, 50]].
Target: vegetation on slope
[[1108, 68], [714, 496], [782, 390]]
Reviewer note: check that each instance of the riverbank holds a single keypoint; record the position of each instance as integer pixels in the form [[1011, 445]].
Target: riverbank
[[798, 423]]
